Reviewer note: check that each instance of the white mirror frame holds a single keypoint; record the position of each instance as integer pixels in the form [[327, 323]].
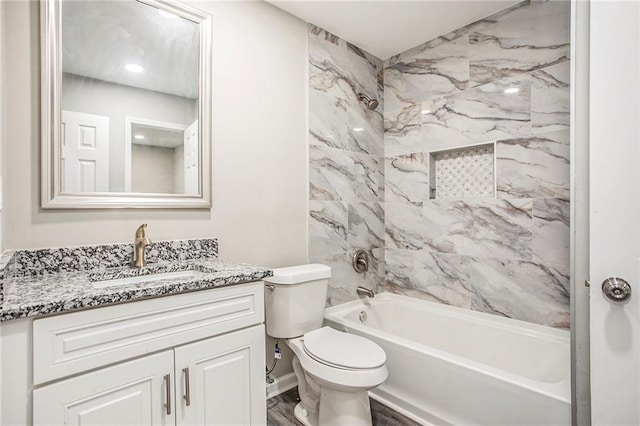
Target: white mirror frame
[[50, 180]]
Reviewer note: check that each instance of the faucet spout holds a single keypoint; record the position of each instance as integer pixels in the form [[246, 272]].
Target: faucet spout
[[139, 246], [363, 291]]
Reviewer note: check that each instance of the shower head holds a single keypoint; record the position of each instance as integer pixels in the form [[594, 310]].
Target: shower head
[[370, 103]]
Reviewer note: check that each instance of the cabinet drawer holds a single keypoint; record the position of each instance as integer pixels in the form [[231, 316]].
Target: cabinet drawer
[[72, 343]]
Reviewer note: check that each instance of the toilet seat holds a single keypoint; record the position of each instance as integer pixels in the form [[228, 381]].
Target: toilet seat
[[343, 350], [336, 377]]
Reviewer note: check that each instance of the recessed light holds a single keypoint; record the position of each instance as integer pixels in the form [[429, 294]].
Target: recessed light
[[139, 136], [425, 111], [167, 14], [511, 90], [358, 129], [133, 68]]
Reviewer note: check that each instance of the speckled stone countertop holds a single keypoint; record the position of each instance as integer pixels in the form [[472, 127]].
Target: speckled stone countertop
[[41, 282]]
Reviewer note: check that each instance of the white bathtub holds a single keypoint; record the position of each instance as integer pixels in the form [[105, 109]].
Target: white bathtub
[[454, 366]]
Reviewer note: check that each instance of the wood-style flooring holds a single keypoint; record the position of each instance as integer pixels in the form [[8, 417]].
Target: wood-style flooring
[[280, 412]]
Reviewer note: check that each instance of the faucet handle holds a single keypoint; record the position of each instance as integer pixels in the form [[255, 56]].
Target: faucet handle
[[140, 231]]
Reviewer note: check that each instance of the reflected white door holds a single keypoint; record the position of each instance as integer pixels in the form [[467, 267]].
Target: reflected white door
[[614, 209], [85, 152], [191, 160]]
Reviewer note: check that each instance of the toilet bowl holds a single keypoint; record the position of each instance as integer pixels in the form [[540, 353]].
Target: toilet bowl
[[334, 369], [341, 368]]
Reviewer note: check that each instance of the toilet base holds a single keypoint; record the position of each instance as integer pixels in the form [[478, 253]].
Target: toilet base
[[344, 408], [304, 416]]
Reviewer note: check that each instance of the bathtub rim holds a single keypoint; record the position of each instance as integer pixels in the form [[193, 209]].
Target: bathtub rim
[[559, 390]]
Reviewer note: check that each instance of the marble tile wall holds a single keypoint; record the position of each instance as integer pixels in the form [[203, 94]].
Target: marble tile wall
[[346, 162], [506, 254]]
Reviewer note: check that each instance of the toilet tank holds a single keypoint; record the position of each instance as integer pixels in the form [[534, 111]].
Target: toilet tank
[[295, 299]]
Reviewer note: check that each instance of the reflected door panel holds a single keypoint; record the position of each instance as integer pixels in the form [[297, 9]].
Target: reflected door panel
[[191, 155], [85, 152]]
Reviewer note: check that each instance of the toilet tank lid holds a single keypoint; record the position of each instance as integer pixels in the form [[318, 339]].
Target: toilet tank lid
[[299, 274]]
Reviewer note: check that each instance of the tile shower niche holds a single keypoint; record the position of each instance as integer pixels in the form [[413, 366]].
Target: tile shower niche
[[467, 172]]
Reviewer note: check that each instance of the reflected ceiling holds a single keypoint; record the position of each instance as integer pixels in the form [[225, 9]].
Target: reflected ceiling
[[165, 45]]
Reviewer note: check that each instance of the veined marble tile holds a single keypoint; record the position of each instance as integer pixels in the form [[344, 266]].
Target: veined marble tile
[[381, 179], [534, 166], [444, 39], [407, 178], [366, 226], [337, 117], [441, 124], [328, 224], [430, 276], [491, 114], [523, 290], [432, 72], [550, 91], [400, 268], [443, 278], [479, 227], [551, 236], [373, 60], [344, 280], [520, 40], [340, 175], [325, 35], [402, 131], [404, 226], [351, 64]]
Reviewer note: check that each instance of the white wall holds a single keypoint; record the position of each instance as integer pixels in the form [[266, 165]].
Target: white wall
[[259, 153], [178, 170], [116, 102], [2, 144], [153, 169]]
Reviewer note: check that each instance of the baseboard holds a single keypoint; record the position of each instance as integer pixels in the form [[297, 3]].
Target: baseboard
[[281, 384]]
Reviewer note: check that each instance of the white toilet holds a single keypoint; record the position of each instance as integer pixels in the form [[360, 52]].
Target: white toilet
[[334, 369]]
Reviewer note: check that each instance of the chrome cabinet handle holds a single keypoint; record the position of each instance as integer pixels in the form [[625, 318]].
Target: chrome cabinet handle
[[167, 383], [187, 391], [616, 289]]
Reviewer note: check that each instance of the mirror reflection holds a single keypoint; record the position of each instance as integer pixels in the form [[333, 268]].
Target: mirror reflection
[[129, 99]]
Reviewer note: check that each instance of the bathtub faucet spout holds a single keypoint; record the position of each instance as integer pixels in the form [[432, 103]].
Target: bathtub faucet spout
[[363, 291]]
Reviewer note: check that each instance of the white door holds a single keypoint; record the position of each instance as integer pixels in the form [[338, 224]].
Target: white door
[[225, 378], [614, 209], [191, 160], [131, 393], [85, 152]]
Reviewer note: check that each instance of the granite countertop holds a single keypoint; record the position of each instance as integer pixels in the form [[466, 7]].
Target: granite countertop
[[42, 282]]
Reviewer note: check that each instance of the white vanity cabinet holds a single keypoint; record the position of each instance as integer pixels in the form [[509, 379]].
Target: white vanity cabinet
[[189, 359], [218, 381]]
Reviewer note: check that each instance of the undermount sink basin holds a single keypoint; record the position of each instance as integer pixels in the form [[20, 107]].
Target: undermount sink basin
[[146, 278]]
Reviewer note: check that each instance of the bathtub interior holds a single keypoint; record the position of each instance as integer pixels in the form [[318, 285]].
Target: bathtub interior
[[526, 350]]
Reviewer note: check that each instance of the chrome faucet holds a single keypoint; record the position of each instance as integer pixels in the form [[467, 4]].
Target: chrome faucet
[[363, 291], [139, 245]]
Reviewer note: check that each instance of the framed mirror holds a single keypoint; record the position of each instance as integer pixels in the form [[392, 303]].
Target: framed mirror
[[126, 105]]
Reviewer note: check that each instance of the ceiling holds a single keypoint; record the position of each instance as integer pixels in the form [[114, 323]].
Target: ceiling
[[385, 28]]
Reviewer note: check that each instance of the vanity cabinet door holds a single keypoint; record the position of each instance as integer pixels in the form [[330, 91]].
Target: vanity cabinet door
[[130, 393], [226, 380]]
